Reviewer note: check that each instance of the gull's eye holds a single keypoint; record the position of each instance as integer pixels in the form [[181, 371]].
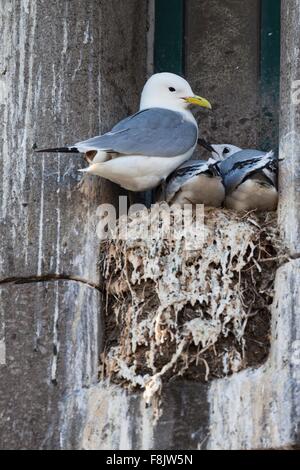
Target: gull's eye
[[171, 89], [226, 150]]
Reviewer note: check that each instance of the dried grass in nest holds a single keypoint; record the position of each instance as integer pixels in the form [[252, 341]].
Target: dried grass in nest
[[196, 314]]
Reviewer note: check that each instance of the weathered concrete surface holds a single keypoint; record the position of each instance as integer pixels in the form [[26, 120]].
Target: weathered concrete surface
[[52, 340], [261, 408], [222, 64], [117, 420], [289, 207], [54, 88], [253, 409], [65, 74]]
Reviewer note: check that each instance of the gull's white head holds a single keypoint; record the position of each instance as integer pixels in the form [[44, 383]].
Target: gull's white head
[[170, 91], [222, 151]]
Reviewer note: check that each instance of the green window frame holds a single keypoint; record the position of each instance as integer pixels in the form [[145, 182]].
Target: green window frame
[[169, 36]]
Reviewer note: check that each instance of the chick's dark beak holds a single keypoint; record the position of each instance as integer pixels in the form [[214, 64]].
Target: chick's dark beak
[[206, 145]]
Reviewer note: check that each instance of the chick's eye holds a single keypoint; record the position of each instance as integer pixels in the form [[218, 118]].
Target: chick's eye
[[226, 150], [171, 89]]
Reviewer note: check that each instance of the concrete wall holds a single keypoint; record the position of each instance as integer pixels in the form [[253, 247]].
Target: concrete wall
[[289, 209], [65, 74], [226, 61], [222, 63]]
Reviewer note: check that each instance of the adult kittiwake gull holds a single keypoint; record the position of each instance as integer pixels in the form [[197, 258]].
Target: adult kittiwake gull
[[195, 182], [142, 150], [249, 176]]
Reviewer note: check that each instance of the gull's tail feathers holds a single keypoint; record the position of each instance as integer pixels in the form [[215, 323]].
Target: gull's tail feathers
[[59, 150]]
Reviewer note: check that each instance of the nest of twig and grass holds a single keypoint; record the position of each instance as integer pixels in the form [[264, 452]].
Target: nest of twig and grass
[[199, 313]]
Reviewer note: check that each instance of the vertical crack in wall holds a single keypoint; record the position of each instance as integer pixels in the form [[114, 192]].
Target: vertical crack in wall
[[2, 334], [56, 344]]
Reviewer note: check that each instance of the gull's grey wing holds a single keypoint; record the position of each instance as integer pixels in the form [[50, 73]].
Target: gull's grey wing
[[151, 132], [187, 171], [243, 164]]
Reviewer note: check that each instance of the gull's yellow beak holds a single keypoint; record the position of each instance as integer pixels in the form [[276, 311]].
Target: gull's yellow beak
[[198, 101]]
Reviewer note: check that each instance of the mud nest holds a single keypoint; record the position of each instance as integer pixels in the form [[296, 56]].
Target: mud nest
[[198, 313]]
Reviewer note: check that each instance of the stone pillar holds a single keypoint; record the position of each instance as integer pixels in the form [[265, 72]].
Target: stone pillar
[[68, 70], [289, 208]]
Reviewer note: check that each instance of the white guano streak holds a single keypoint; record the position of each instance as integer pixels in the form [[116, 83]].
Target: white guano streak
[[41, 222]]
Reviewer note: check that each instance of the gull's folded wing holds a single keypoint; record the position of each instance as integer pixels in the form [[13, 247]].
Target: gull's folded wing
[[241, 165], [152, 132], [185, 172]]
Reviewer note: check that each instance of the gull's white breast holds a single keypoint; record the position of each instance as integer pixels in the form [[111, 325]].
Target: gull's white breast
[[139, 172]]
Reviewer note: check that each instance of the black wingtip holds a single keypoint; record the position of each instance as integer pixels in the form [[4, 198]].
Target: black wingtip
[[59, 150]]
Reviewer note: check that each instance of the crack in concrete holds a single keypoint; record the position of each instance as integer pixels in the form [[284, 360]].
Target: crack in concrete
[[288, 259], [47, 278]]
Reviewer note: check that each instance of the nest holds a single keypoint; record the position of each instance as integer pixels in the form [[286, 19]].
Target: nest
[[199, 313]]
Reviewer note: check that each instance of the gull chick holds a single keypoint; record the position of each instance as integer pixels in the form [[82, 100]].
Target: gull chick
[[142, 150], [196, 182], [249, 176]]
